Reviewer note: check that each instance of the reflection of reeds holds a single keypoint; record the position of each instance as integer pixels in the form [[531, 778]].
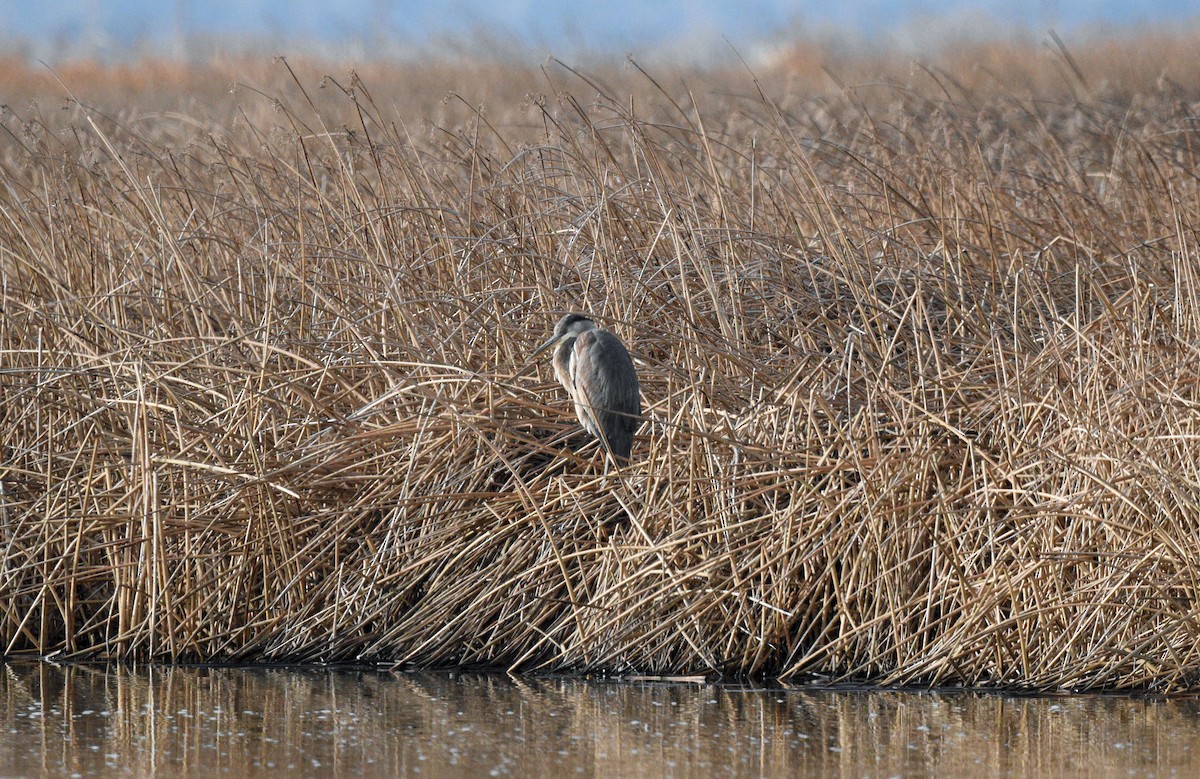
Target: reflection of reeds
[[919, 365], [181, 720]]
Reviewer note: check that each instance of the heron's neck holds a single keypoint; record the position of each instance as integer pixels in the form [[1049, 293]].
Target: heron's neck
[[562, 358]]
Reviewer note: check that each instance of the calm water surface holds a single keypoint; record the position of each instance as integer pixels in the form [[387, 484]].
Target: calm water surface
[[94, 721]]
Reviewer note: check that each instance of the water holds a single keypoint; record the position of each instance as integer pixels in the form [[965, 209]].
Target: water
[[93, 721]]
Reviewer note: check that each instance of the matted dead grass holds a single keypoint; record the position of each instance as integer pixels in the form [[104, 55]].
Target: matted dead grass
[[919, 359]]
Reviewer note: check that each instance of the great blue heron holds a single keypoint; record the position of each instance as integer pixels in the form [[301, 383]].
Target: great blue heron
[[594, 367]]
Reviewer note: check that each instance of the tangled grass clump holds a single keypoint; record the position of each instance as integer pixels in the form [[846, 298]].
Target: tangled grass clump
[[919, 365]]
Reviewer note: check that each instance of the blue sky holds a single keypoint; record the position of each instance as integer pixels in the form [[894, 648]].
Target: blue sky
[[54, 28]]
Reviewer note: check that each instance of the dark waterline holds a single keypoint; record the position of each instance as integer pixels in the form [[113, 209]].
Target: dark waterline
[[188, 721]]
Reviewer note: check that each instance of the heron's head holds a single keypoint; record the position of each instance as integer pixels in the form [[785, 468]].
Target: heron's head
[[573, 324], [569, 326]]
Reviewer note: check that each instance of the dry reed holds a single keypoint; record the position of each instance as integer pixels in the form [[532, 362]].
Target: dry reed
[[919, 360]]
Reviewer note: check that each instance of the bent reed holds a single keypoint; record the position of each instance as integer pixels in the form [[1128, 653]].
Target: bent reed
[[918, 353]]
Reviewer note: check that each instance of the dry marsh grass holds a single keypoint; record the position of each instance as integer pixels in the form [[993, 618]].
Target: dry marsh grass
[[919, 359]]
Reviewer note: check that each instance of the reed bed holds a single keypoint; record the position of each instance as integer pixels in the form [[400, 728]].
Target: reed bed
[[918, 354]]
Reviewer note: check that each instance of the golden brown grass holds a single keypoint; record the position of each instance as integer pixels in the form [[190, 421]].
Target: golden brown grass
[[919, 359]]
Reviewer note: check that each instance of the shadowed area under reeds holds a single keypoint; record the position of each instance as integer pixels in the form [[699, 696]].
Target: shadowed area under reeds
[[918, 360]]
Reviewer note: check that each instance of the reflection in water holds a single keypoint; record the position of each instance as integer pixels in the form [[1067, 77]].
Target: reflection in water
[[112, 721]]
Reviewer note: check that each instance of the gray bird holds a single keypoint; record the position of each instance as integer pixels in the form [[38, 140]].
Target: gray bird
[[594, 367]]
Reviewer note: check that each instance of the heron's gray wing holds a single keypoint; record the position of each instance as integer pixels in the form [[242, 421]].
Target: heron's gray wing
[[607, 383]]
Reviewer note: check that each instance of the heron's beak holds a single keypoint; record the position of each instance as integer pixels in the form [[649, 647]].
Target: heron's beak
[[529, 364], [553, 340]]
